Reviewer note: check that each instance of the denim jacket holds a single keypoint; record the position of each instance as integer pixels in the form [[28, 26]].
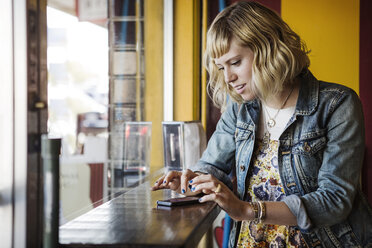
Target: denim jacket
[[320, 158]]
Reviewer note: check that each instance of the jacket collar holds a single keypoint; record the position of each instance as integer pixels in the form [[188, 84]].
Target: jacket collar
[[253, 109], [307, 98], [309, 94]]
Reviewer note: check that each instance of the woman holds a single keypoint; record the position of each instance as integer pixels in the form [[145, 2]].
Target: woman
[[295, 143]]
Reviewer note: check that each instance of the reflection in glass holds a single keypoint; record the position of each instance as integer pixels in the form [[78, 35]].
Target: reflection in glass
[[137, 146]]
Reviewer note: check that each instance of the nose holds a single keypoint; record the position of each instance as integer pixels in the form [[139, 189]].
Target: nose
[[229, 75]]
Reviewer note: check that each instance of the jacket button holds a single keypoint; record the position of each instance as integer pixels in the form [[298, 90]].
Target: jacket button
[[290, 185], [307, 148], [242, 167]]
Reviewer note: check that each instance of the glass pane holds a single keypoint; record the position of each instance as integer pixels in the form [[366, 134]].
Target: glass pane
[[127, 7], [122, 113], [124, 91], [124, 63], [137, 146], [125, 33], [78, 109]]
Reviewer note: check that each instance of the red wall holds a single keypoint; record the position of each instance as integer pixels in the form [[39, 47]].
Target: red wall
[[365, 88]]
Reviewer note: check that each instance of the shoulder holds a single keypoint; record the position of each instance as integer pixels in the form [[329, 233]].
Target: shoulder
[[232, 108], [335, 89], [312, 86], [336, 92], [335, 95]]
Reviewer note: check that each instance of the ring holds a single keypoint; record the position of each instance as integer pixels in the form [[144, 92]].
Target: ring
[[218, 189]]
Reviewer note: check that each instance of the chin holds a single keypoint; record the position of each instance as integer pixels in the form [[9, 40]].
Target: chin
[[248, 97]]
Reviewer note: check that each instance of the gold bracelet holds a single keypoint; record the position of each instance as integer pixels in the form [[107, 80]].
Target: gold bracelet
[[255, 207], [262, 211]]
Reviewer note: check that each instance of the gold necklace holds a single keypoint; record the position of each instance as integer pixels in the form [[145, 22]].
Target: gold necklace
[[271, 122]]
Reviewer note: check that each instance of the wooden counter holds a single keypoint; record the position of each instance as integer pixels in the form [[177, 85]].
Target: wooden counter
[[132, 220]]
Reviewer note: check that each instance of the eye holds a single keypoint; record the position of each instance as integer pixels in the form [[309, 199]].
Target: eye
[[220, 68], [236, 62]]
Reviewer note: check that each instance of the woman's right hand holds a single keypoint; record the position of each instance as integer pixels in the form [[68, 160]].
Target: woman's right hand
[[177, 181]]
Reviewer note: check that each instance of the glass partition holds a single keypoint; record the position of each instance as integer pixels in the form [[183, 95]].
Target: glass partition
[[96, 79], [129, 136], [78, 88]]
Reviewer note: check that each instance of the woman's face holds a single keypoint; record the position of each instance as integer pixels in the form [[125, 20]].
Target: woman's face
[[236, 65]]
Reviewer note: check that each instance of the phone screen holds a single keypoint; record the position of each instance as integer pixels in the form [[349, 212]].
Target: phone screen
[[178, 201]]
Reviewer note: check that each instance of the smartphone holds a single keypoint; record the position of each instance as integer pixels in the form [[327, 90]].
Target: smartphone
[[178, 201]]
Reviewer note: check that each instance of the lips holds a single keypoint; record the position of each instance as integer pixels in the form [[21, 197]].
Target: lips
[[239, 88]]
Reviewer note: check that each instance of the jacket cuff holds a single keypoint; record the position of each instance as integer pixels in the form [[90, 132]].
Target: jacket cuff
[[298, 209]]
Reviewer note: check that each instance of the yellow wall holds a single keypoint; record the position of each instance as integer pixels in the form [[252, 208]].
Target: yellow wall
[[186, 60], [154, 77], [186, 68], [330, 29]]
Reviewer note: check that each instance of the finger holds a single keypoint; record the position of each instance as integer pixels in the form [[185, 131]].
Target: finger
[[158, 183], [206, 198], [195, 191], [202, 178], [186, 176], [174, 184], [210, 187], [170, 176], [207, 191]]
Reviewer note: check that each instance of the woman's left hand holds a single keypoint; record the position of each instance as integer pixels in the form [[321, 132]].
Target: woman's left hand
[[224, 197]]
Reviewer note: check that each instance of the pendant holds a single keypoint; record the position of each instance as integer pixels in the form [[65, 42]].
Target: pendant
[[266, 140], [271, 123]]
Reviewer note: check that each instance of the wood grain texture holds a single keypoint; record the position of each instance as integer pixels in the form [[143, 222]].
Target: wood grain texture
[[133, 220]]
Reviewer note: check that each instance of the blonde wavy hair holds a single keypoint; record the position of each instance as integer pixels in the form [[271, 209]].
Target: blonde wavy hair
[[279, 53]]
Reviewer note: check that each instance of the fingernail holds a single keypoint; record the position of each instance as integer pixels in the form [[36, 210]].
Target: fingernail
[[193, 189], [190, 181], [164, 181], [183, 191], [190, 186], [200, 200]]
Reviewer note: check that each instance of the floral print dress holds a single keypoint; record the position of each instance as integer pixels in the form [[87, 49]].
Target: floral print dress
[[265, 185]]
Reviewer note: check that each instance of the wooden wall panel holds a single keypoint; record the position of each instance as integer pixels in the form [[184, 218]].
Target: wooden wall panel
[[37, 115]]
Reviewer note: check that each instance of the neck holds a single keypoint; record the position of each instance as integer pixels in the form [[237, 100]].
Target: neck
[[276, 101]]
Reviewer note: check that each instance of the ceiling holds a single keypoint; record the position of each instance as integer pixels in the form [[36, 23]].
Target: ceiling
[[67, 6]]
